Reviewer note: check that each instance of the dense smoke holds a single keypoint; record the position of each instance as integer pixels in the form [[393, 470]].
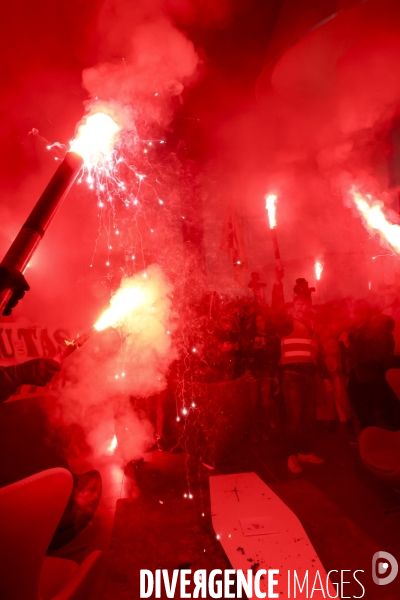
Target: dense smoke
[[158, 61], [328, 122], [123, 362], [141, 65], [138, 89]]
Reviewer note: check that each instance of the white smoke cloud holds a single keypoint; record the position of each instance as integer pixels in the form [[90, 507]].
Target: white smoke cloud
[[145, 63], [158, 62], [116, 365]]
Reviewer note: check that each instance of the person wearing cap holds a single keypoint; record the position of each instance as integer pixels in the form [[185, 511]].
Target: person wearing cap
[[300, 361]]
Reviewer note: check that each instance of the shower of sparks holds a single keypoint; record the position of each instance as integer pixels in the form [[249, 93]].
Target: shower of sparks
[[128, 190], [270, 205], [138, 187], [375, 219], [134, 181], [318, 267]]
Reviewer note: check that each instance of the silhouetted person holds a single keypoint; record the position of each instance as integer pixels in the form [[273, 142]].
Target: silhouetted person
[[371, 346], [300, 360], [262, 353]]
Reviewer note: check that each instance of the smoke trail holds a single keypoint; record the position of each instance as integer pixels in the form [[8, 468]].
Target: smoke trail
[[129, 361], [145, 64], [158, 62]]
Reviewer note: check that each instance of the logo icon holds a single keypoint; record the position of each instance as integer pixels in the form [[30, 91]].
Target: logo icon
[[384, 568]]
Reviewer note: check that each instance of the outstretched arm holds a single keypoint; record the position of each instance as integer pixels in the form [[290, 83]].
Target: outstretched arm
[[38, 371]]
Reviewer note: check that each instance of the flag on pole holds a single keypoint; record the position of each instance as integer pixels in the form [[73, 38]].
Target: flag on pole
[[232, 242]]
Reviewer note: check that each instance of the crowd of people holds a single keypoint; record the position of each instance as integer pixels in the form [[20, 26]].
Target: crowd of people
[[304, 360], [297, 362]]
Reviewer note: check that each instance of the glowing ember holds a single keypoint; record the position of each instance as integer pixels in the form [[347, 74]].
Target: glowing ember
[[270, 205], [122, 303], [318, 268], [375, 218], [95, 138], [113, 445]]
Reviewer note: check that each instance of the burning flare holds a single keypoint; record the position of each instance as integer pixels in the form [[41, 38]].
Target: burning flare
[[113, 444], [375, 219], [270, 205], [122, 303], [318, 268], [139, 306], [95, 138]]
